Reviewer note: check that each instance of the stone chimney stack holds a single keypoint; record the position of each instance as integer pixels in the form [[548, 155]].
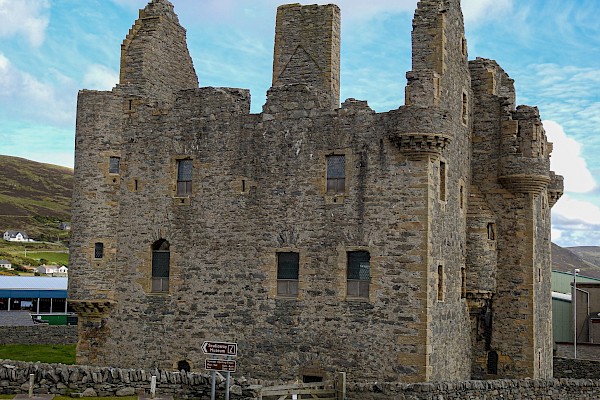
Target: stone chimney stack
[[307, 48]]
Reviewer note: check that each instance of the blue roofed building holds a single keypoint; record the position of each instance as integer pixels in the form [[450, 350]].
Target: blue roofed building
[[45, 298]]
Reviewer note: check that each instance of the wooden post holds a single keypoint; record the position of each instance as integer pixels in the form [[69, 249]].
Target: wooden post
[[340, 385]]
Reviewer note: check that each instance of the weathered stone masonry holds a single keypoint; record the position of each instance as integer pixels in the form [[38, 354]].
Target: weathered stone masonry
[[446, 201]]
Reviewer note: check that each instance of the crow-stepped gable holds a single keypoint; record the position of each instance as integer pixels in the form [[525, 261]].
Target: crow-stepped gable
[[411, 245]]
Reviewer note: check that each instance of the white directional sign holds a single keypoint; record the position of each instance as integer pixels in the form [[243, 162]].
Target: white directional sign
[[220, 348]]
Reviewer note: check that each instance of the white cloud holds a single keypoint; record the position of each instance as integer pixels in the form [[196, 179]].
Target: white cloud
[[575, 222], [556, 234], [475, 11], [99, 77], [567, 161], [42, 100], [576, 213], [24, 17]]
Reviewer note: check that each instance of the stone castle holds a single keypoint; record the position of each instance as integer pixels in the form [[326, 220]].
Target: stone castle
[[410, 245]]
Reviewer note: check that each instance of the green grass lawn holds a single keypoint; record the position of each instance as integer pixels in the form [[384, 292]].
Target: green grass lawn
[[52, 258], [52, 354]]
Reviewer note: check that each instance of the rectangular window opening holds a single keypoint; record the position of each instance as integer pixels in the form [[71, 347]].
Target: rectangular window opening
[[336, 174], [288, 268], [358, 274], [114, 165], [184, 177], [98, 250], [161, 260]]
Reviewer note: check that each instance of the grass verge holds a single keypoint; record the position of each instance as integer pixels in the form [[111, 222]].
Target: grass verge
[[51, 354]]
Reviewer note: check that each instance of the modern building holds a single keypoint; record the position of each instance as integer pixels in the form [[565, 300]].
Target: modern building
[[410, 245], [588, 315]]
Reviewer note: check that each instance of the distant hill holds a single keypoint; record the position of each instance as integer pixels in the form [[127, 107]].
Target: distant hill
[[34, 197], [587, 259]]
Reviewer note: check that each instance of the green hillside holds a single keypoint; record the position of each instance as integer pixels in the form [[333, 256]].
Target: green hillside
[[35, 198]]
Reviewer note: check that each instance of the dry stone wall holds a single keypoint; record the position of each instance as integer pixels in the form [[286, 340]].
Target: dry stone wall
[[97, 381], [47, 334]]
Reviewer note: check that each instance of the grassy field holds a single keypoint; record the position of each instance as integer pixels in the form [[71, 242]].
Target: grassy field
[[52, 354], [34, 253], [51, 258]]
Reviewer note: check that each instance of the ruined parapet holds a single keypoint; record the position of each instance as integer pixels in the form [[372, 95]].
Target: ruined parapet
[[525, 162], [440, 73], [307, 48], [488, 78], [155, 61], [213, 102], [429, 38], [555, 188]]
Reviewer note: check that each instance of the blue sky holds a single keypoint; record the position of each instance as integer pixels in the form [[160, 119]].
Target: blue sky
[[49, 49]]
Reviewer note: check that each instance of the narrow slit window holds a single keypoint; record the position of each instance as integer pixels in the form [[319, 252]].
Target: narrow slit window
[[463, 277], [461, 196], [98, 250], [465, 108], [336, 174], [114, 165], [440, 283], [184, 177], [442, 181], [161, 266], [491, 231], [288, 267], [358, 274]]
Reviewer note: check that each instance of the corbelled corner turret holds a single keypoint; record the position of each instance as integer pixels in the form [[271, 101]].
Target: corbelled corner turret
[[525, 153], [405, 246]]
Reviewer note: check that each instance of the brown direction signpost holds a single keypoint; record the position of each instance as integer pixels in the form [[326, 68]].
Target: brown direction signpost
[[220, 365], [220, 348]]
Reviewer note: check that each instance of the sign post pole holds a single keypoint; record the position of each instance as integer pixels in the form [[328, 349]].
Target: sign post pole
[[213, 385], [228, 376]]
